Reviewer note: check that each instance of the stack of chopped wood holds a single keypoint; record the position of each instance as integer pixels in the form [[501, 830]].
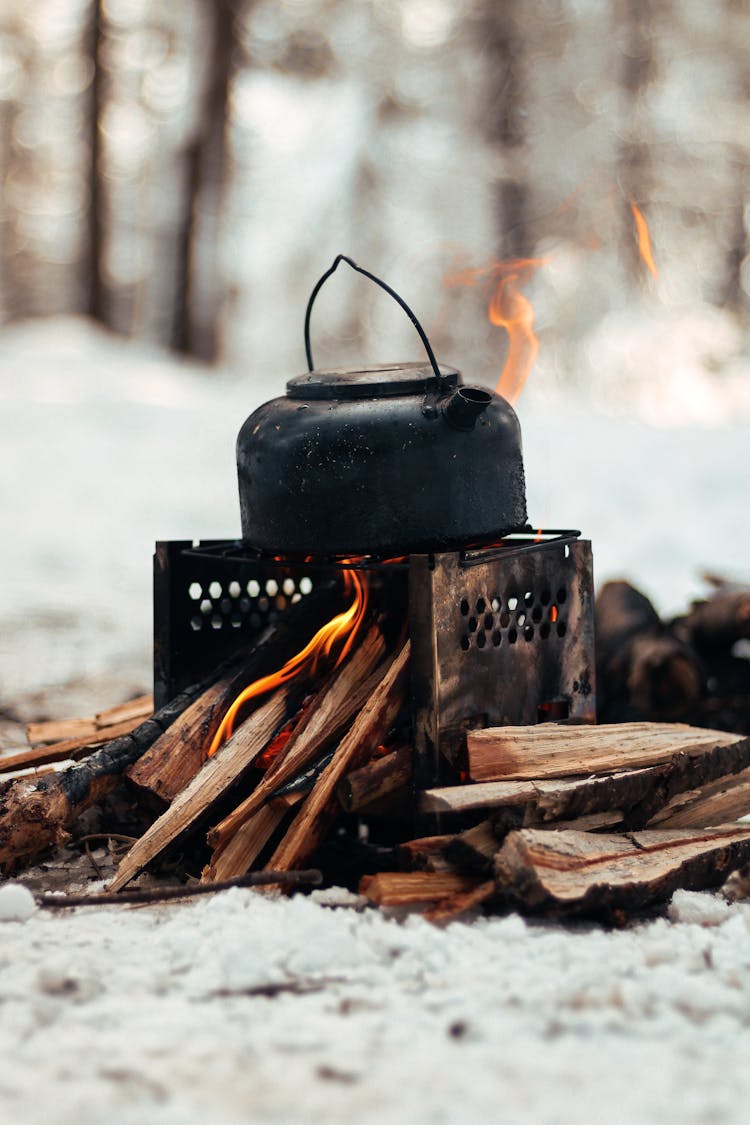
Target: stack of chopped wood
[[552, 819]]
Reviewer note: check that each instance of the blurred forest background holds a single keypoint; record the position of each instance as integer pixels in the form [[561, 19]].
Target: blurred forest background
[[183, 173]]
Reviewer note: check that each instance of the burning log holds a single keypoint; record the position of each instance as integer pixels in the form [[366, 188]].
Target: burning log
[[611, 875], [644, 671], [367, 732], [332, 709], [555, 750], [212, 781], [174, 760]]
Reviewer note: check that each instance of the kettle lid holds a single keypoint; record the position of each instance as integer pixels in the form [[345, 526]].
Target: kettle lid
[[376, 381]]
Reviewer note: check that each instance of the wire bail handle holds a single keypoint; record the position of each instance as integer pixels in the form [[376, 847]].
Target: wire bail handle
[[336, 262]]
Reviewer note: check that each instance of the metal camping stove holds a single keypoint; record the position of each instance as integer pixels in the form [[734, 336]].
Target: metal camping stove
[[500, 634]]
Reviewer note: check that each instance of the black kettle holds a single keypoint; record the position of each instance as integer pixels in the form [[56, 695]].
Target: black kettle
[[383, 460]]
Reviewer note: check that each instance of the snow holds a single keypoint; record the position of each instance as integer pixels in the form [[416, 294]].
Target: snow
[[247, 1006], [16, 903]]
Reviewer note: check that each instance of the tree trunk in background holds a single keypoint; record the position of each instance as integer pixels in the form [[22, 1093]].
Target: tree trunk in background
[[199, 291], [95, 302], [504, 44]]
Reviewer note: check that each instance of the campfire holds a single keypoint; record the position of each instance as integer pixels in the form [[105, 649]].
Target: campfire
[[391, 677]]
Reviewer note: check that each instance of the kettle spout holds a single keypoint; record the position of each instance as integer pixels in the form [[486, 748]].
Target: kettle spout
[[465, 405]]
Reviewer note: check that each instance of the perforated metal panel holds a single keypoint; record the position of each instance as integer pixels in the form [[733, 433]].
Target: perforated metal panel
[[499, 636]]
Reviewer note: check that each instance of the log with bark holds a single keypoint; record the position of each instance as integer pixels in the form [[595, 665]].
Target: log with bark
[[613, 876], [644, 671]]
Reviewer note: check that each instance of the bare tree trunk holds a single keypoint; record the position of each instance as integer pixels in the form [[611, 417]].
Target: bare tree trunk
[[95, 297], [199, 287], [503, 50]]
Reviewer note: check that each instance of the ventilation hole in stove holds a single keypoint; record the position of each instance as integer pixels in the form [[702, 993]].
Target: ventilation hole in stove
[[521, 620], [305, 585], [196, 624], [481, 638], [253, 588], [288, 587], [481, 605], [206, 606], [235, 621], [464, 608], [545, 597], [512, 636], [528, 599], [495, 604], [264, 605], [497, 638], [234, 589], [296, 598], [529, 632], [280, 603], [244, 605], [504, 619], [465, 642], [215, 589], [536, 614], [562, 628], [562, 594], [195, 591], [272, 587], [226, 606], [489, 621], [544, 630], [472, 626], [512, 603], [217, 621], [554, 613]]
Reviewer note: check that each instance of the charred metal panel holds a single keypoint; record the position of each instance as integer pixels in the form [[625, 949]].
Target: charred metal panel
[[499, 636]]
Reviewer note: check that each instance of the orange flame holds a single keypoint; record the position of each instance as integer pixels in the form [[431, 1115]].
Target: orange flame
[[343, 627], [644, 239], [510, 309]]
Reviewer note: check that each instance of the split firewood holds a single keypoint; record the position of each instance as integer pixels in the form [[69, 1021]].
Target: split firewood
[[72, 749], [173, 761], [368, 730], [638, 794], [427, 853], [242, 850], [217, 775], [718, 802], [461, 902], [35, 813], [335, 705], [408, 888], [716, 623], [643, 670], [376, 780], [557, 750], [63, 730], [613, 876]]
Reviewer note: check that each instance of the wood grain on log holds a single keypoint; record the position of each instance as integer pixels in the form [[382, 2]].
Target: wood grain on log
[[356, 748], [59, 730], [556, 750], [70, 748], [601, 875], [717, 622], [243, 848], [212, 781]]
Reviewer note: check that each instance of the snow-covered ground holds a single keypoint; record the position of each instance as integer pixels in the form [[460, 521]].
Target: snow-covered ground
[[162, 1014]]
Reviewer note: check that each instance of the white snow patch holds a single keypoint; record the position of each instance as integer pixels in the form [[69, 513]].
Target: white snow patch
[[16, 903]]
